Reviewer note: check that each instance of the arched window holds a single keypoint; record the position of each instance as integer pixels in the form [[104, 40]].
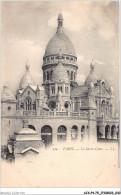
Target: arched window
[[47, 76], [53, 89], [28, 103], [47, 60], [60, 89], [22, 105], [71, 75], [103, 101], [46, 135], [34, 106], [52, 58], [66, 105], [99, 134], [68, 72], [117, 133], [31, 127], [82, 132], [107, 131], [51, 74], [74, 76], [62, 133], [74, 132], [66, 89], [113, 131]]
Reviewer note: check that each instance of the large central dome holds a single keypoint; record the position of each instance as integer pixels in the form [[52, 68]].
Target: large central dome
[[60, 41]]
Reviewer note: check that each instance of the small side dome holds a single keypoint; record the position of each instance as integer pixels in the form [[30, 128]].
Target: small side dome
[[26, 134], [26, 79], [27, 131], [7, 94], [92, 76], [60, 73]]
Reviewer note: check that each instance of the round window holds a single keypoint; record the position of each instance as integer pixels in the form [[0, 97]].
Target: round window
[[52, 104], [66, 105]]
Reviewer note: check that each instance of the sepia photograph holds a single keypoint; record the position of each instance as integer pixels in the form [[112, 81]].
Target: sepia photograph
[[60, 94]]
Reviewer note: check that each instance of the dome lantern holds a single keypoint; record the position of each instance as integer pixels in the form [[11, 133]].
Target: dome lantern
[[60, 21]]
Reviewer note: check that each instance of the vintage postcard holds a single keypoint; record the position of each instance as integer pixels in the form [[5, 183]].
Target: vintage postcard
[[60, 94]]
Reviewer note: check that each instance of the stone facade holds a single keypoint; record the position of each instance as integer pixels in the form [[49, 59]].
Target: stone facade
[[60, 110]]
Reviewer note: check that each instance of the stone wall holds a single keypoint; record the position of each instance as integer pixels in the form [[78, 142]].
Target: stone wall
[[15, 124]]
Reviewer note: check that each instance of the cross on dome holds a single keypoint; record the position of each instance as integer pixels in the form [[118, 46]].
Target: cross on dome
[[60, 22], [92, 66], [27, 65]]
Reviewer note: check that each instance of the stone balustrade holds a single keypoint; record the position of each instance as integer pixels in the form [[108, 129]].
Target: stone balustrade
[[53, 114]]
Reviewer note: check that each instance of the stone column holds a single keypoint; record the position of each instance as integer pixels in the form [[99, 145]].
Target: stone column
[[68, 112], [86, 134], [79, 135], [117, 132], [73, 106], [54, 138], [69, 134], [54, 112], [56, 88], [92, 131], [45, 76], [63, 88]]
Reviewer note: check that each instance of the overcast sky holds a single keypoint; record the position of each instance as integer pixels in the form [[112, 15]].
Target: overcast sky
[[27, 27]]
